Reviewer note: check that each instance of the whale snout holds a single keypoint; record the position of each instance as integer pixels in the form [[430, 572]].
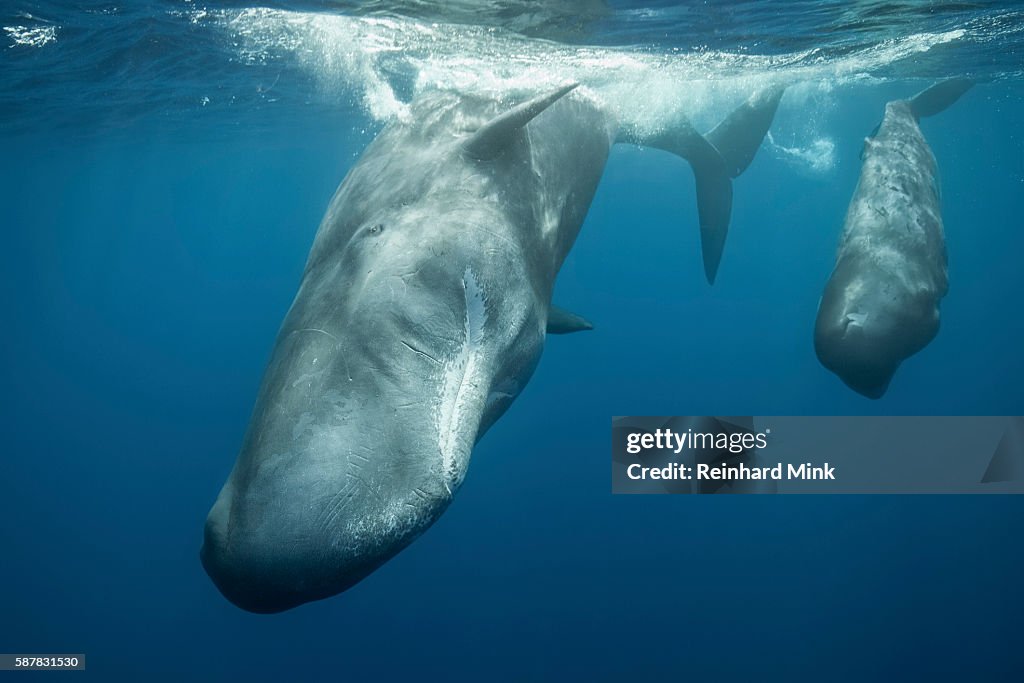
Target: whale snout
[[265, 578], [869, 322], [273, 543], [853, 346]]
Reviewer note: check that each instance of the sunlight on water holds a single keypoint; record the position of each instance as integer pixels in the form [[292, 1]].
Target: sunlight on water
[[169, 58], [31, 36], [370, 55]]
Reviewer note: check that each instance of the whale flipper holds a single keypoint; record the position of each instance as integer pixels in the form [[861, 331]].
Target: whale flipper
[[493, 137], [935, 99], [561, 321]]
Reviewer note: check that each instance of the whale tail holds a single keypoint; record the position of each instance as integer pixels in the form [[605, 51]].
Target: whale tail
[[716, 158], [738, 137], [736, 140], [938, 97]]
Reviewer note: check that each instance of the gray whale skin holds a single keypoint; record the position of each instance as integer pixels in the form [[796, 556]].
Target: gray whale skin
[[420, 317], [881, 303]]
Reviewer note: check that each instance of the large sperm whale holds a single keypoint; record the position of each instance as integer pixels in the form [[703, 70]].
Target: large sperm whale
[[421, 315], [881, 303]]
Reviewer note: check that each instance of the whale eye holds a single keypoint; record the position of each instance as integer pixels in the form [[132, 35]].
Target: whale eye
[[376, 229]]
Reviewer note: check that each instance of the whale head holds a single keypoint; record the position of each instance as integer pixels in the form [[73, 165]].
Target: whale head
[[868, 324], [397, 354], [855, 348], [420, 317]]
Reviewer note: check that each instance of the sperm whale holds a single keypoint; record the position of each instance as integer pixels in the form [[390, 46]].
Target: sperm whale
[[421, 315], [881, 302]]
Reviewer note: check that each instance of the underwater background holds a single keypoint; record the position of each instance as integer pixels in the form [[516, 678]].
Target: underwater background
[[165, 166]]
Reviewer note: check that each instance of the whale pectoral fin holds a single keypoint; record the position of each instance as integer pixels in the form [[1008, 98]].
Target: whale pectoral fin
[[868, 141], [491, 139], [738, 137], [561, 321], [935, 99]]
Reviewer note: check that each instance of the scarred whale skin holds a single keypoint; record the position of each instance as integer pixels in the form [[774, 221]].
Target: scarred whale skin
[[881, 303], [420, 317]]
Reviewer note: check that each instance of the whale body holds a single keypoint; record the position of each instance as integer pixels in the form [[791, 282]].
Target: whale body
[[421, 315], [881, 303]]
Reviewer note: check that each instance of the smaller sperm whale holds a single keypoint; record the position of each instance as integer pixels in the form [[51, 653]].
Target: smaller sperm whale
[[881, 303]]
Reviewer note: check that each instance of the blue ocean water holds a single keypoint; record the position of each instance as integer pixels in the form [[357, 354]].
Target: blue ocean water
[[164, 169]]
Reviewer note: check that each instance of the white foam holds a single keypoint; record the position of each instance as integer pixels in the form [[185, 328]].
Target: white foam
[[31, 36], [816, 156], [647, 89]]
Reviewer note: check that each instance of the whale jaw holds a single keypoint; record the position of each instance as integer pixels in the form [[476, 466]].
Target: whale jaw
[[275, 542]]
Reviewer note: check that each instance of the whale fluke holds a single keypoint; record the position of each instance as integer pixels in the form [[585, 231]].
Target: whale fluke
[[716, 158], [738, 137], [561, 321], [938, 97], [714, 205], [711, 175], [736, 140], [494, 136]]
